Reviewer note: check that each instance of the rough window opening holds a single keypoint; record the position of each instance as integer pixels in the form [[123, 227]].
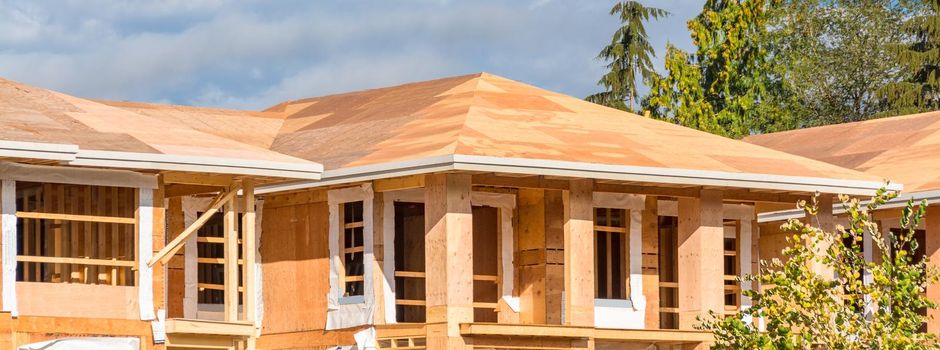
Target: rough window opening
[[352, 247], [409, 262], [668, 272], [732, 266], [210, 243], [485, 263], [75, 233], [611, 254]]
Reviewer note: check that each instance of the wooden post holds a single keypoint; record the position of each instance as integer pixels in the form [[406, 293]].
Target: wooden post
[[158, 239], [827, 224], [700, 257], [230, 235], [176, 269], [932, 250], [249, 247], [650, 265], [579, 254], [539, 255], [448, 259], [378, 253]]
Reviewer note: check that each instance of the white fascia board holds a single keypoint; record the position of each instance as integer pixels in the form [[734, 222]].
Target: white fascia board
[[368, 173], [38, 150], [900, 201], [585, 170], [154, 161], [668, 175]]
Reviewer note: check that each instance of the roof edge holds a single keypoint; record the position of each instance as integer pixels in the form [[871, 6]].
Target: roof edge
[[588, 170], [72, 155], [931, 196], [136, 160]]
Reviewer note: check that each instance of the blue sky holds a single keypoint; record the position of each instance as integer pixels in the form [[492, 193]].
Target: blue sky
[[253, 54]]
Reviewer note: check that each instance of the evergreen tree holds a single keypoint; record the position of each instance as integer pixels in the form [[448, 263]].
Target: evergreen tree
[[921, 57], [628, 55]]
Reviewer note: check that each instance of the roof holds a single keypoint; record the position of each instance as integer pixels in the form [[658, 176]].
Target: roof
[[904, 149], [486, 119], [35, 121], [477, 122]]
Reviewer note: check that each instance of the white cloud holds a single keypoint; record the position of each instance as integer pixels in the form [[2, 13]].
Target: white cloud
[[254, 54]]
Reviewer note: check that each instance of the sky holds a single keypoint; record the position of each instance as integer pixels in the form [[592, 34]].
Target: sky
[[254, 54]]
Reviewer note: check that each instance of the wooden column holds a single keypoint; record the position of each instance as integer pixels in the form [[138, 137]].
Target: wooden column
[[230, 246], [650, 251], [700, 257], [448, 259], [176, 269], [158, 237], [539, 255], [378, 253], [826, 222], [932, 250], [579, 253]]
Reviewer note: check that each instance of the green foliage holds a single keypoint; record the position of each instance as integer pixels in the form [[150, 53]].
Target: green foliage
[[921, 59], [803, 310], [628, 54], [723, 87], [833, 57]]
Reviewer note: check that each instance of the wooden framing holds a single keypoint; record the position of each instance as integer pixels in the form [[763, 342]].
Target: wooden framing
[[701, 282], [579, 251], [448, 258], [612, 240], [650, 261]]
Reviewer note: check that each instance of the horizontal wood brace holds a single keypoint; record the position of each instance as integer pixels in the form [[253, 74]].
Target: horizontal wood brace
[[75, 217], [77, 261]]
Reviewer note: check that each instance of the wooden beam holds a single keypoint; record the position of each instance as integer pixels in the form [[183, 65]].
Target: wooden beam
[[579, 254], [448, 258], [398, 183], [614, 335], [700, 257], [176, 244], [230, 233], [179, 190], [217, 180], [730, 194], [75, 217]]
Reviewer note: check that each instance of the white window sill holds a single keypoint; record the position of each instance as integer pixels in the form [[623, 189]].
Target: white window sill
[[351, 300], [614, 303]]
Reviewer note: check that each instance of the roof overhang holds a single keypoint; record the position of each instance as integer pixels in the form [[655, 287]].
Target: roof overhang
[[586, 170], [932, 197], [72, 155]]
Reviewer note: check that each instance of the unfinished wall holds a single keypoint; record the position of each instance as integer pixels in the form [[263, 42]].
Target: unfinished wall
[[296, 266]]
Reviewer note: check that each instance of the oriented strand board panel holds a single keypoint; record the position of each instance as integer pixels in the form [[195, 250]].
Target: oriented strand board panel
[[903, 149], [487, 115], [295, 257], [59, 299], [33, 114]]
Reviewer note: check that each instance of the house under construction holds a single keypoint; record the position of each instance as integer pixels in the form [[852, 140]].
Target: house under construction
[[465, 212]]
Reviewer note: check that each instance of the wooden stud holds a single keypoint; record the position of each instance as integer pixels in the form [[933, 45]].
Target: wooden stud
[[378, 253], [230, 233], [579, 249], [177, 243], [701, 232], [448, 259]]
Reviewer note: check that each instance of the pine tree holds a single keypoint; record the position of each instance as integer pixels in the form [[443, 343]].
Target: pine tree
[[921, 92], [628, 55]]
